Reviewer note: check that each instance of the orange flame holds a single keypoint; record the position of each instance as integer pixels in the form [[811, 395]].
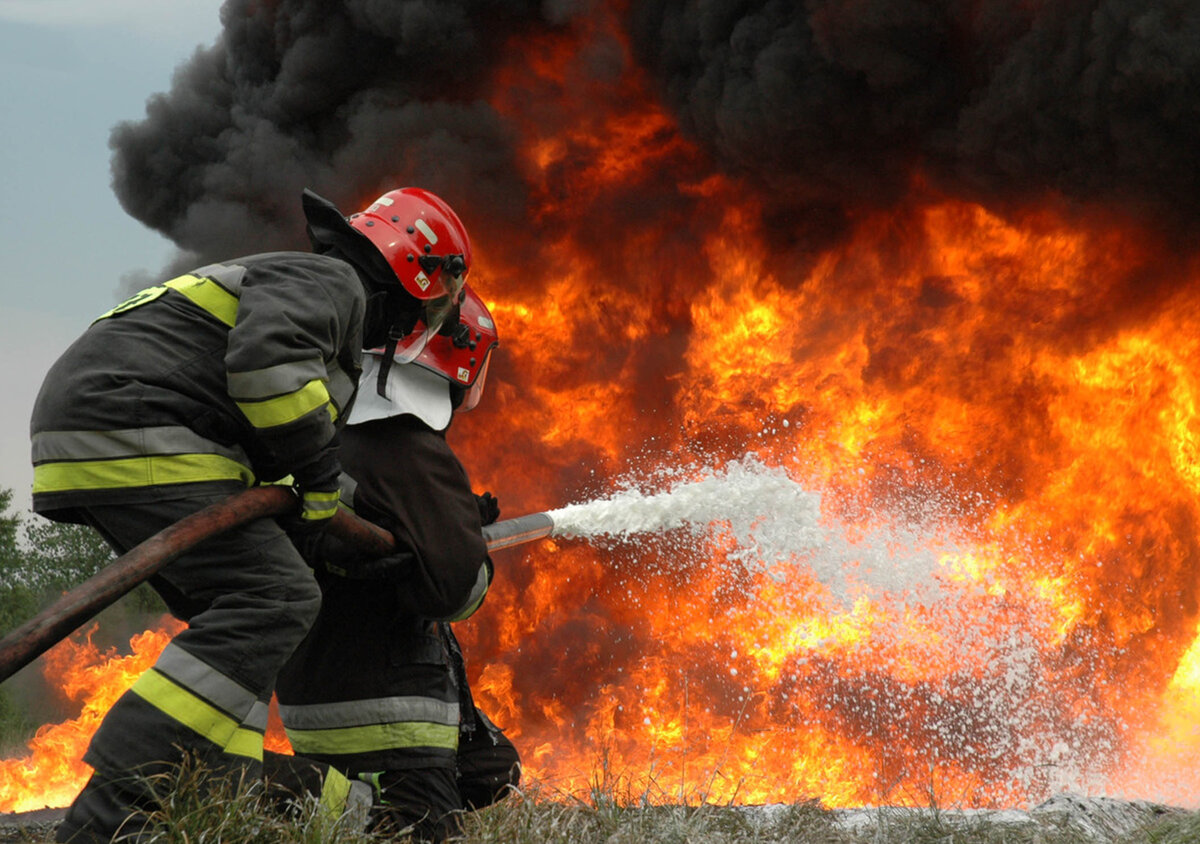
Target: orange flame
[[53, 771], [1011, 393]]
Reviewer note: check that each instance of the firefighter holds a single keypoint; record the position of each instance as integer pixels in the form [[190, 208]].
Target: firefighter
[[233, 374], [378, 688]]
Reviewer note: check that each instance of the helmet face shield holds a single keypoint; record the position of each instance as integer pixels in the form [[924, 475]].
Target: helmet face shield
[[462, 350], [475, 391], [411, 345], [445, 308], [442, 274], [437, 316]]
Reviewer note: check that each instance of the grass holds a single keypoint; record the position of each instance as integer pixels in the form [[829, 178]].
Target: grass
[[198, 808], [1184, 829]]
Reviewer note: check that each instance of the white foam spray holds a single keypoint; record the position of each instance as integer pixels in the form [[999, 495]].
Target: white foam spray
[[901, 564], [772, 515], [775, 522], [903, 580]]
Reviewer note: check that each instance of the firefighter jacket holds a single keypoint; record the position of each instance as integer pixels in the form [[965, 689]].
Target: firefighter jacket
[[373, 687], [228, 375]]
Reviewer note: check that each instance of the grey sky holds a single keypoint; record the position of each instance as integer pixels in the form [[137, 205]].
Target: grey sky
[[69, 71]]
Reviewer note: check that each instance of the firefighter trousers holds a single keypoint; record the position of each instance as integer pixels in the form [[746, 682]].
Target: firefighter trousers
[[248, 599], [423, 803]]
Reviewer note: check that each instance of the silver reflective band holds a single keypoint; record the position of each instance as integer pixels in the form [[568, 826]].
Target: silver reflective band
[[202, 679], [229, 277], [275, 380], [102, 445], [357, 713]]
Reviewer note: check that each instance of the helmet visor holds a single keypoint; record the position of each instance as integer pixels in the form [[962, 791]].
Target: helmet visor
[[410, 346], [435, 315], [475, 391]]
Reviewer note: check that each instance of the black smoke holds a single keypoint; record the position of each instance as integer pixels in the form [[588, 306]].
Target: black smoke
[[844, 101], [822, 106], [347, 98]]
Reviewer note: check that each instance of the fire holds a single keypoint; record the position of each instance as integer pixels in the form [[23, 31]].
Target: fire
[[998, 407], [1008, 393], [53, 771]]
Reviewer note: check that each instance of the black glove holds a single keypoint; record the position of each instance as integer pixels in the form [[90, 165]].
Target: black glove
[[489, 508], [317, 487]]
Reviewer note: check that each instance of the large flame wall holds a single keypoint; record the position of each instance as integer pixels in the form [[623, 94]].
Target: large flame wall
[[1020, 379], [945, 369]]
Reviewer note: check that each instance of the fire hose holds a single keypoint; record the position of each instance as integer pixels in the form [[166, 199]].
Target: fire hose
[[47, 628]]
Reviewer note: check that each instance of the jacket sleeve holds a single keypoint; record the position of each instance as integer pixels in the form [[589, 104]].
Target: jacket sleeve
[[410, 481], [298, 330]]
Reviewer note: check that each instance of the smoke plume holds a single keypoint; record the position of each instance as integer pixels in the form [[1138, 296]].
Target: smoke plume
[[826, 106], [349, 99], [845, 102]]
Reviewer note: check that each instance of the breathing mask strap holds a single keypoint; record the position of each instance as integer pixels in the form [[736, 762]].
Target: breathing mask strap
[[385, 366]]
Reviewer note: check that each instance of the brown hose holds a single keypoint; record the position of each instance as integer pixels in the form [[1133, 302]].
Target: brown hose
[[34, 637], [29, 641]]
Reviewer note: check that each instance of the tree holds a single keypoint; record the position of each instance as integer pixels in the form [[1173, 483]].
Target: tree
[[17, 597], [53, 558]]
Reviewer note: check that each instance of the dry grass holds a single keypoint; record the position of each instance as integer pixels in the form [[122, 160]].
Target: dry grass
[[198, 808]]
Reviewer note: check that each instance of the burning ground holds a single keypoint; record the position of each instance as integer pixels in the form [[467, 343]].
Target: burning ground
[[931, 262]]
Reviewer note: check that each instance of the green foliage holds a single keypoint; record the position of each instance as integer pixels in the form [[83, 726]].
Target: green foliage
[[59, 556], [16, 725], [535, 816], [53, 558], [197, 806], [15, 599], [39, 561], [1175, 828]]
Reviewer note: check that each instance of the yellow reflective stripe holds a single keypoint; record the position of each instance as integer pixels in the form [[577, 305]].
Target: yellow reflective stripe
[[200, 678], [334, 792], [244, 742], [202, 292], [138, 471], [374, 737], [139, 298], [198, 715], [320, 505], [207, 295], [288, 408], [469, 610]]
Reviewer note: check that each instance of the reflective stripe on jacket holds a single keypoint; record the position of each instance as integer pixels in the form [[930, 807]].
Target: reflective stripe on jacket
[[368, 690], [372, 726], [230, 374]]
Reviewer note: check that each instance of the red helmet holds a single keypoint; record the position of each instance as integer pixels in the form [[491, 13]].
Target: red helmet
[[462, 356], [427, 248], [421, 238]]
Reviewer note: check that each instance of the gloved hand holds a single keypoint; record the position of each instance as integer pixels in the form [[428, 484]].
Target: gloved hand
[[489, 508], [401, 565], [317, 487]]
